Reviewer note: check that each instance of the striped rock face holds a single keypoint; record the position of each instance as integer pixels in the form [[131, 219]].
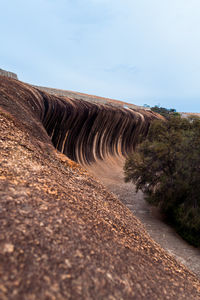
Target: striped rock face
[[82, 130]]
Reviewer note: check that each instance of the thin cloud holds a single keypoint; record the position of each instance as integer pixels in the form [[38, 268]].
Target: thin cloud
[[139, 51]]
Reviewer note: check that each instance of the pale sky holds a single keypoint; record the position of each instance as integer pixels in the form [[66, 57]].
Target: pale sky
[[142, 52]]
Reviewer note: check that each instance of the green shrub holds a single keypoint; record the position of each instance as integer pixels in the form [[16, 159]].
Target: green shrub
[[166, 167]]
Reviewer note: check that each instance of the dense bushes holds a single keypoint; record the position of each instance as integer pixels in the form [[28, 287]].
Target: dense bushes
[[166, 167]]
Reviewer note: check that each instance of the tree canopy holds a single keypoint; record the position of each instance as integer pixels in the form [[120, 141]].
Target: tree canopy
[[166, 167], [165, 112]]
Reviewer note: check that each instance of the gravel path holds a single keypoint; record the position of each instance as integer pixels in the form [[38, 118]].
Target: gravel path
[[112, 176]]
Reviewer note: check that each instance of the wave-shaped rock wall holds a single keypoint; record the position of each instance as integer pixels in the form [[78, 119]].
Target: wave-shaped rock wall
[[81, 130]]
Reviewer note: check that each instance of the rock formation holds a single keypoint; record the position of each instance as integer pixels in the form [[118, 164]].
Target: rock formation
[[8, 74], [82, 130], [90, 98], [63, 236]]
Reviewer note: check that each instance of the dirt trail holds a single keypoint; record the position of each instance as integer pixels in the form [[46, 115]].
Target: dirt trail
[[110, 173]]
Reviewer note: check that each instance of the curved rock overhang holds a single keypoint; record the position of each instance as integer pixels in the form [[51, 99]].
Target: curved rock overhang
[[83, 131]]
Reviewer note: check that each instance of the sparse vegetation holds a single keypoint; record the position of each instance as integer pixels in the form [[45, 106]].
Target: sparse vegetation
[[166, 167], [165, 112]]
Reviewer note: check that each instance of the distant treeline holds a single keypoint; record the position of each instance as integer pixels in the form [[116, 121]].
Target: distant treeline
[[165, 112]]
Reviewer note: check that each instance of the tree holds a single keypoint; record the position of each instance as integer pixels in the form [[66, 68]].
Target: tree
[[166, 167], [165, 112]]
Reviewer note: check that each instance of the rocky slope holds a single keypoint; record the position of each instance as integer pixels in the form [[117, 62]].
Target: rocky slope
[[63, 236]]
